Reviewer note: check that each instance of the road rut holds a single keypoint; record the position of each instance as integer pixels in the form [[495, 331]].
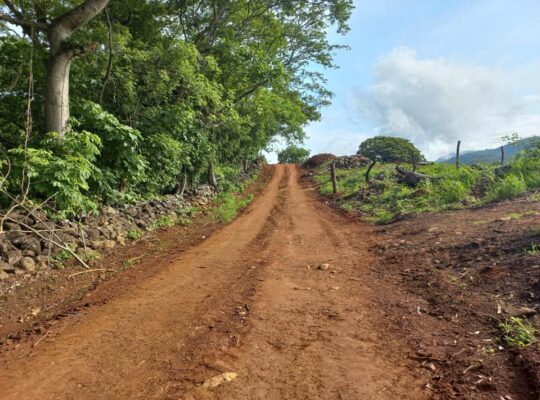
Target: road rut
[[251, 299]]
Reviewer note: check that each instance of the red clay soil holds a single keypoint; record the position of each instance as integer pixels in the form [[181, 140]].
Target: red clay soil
[[27, 307], [254, 298], [457, 276]]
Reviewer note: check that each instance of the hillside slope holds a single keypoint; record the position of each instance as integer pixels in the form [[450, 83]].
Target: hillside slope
[[493, 155]]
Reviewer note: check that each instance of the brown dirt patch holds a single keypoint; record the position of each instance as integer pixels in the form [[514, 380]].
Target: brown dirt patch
[[457, 274], [254, 298], [59, 294]]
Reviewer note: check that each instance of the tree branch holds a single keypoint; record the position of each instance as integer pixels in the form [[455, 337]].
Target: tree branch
[[22, 22], [80, 14]]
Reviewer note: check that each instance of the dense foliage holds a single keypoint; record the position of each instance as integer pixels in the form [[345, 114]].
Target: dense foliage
[[390, 149], [293, 155], [384, 199], [159, 90]]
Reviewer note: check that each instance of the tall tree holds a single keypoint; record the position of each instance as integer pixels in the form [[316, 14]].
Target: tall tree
[[54, 34]]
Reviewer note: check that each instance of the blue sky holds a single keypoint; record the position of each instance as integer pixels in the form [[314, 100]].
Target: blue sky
[[434, 71]]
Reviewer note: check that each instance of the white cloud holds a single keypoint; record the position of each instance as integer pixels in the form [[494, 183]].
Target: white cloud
[[436, 102]]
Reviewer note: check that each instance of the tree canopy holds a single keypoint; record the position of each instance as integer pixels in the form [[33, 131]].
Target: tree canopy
[[293, 154], [157, 89], [390, 149]]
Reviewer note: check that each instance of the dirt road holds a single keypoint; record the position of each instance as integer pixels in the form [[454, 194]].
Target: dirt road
[[249, 300]]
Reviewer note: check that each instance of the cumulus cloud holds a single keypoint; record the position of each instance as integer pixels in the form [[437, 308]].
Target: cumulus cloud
[[436, 102]]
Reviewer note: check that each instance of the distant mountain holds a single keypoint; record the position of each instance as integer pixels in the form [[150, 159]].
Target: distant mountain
[[492, 155]]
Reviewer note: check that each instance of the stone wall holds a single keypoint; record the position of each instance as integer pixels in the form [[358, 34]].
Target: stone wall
[[349, 162], [26, 247]]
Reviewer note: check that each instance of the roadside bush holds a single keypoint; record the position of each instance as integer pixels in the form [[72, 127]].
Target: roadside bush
[[384, 199], [59, 171], [228, 177], [163, 222], [450, 191], [507, 188], [121, 166], [527, 165], [382, 217], [166, 157], [134, 234]]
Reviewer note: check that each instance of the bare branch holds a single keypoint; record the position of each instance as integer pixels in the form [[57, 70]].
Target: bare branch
[[21, 22]]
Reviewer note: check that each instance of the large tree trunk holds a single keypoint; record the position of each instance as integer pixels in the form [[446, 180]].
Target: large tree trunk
[[57, 94], [60, 57]]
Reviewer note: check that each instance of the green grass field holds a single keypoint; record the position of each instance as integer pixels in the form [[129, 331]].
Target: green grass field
[[384, 200]]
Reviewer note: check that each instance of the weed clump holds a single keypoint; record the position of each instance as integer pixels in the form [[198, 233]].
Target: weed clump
[[230, 206], [516, 332]]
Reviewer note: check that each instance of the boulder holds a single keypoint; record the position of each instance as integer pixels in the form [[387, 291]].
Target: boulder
[[28, 253], [142, 225], [95, 244], [13, 256], [109, 244], [31, 244], [13, 236], [7, 268], [42, 261], [11, 226], [27, 264], [93, 233], [44, 226]]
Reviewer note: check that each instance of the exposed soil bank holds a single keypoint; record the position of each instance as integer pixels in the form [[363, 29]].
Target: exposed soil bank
[[457, 276]]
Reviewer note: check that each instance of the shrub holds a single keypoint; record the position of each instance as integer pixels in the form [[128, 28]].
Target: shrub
[[59, 170], [163, 221], [382, 217], [120, 165], [450, 191], [166, 158], [228, 178], [527, 165], [134, 234], [507, 188]]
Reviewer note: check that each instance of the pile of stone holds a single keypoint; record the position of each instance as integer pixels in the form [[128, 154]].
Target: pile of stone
[[26, 239], [350, 162]]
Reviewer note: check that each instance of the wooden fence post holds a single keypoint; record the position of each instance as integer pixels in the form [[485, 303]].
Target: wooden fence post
[[502, 155], [457, 153], [334, 177]]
